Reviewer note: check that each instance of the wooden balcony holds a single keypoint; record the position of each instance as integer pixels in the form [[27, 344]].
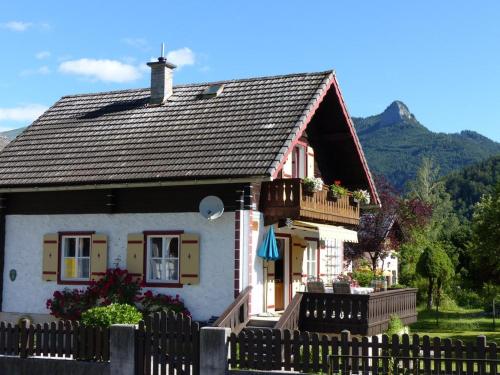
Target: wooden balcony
[[360, 314], [286, 198]]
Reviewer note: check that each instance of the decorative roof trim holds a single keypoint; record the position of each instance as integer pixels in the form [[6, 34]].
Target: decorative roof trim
[[361, 154], [302, 123]]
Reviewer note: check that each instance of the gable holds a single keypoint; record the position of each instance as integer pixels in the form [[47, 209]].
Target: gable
[[328, 129]]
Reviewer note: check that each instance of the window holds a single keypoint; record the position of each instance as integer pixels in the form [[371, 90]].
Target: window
[[333, 259], [311, 259], [299, 162], [163, 259], [75, 258]]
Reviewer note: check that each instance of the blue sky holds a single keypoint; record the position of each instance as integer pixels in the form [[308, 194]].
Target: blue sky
[[442, 58]]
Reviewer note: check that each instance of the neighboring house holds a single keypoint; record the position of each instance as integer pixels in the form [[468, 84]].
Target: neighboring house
[[116, 178]]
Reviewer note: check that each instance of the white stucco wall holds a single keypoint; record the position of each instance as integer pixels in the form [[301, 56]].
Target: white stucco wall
[[256, 275], [23, 252]]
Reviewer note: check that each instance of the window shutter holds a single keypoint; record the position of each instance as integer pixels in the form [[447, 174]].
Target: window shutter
[[98, 256], [135, 255], [310, 162], [298, 246], [50, 257], [190, 259]]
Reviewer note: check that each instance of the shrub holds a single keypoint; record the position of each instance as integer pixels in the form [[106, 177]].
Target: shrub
[[467, 298], [116, 286], [364, 277], [395, 326], [116, 313], [69, 304], [151, 303]]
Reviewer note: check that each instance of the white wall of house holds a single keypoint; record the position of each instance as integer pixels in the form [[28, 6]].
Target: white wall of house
[[23, 252], [256, 266]]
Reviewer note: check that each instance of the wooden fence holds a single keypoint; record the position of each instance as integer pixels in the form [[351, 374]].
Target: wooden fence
[[63, 339], [166, 344], [312, 353]]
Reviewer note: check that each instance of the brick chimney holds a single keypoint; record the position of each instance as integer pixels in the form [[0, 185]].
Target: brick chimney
[[161, 80]]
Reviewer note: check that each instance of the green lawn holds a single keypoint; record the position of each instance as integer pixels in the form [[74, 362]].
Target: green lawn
[[458, 324]]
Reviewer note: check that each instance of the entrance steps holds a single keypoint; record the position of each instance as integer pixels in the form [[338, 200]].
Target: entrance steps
[[263, 321]]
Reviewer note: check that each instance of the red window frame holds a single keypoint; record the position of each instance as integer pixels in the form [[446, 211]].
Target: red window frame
[[145, 259], [60, 281]]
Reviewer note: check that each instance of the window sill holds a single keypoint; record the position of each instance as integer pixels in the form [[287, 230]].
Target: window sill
[[73, 282], [163, 285]]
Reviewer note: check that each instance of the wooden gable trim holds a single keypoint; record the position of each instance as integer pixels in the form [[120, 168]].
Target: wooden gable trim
[[303, 124], [360, 153]]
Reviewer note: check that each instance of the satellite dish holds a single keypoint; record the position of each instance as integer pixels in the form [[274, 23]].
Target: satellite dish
[[211, 207]]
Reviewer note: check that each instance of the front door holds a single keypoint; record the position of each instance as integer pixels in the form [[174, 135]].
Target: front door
[[280, 274]]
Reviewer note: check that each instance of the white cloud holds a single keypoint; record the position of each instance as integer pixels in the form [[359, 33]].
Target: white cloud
[[17, 25], [181, 57], [43, 70], [27, 112], [102, 70], [42, 55]]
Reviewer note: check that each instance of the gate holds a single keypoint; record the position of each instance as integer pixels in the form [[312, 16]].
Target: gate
[[167, 343]]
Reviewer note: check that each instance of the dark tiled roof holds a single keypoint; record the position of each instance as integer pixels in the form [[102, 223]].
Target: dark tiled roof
[[116, 137]]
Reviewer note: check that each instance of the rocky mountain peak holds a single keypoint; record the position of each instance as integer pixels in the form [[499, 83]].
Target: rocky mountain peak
[[396, 112]]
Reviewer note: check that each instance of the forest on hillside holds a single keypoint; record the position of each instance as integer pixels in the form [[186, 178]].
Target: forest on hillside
[[448, 237]]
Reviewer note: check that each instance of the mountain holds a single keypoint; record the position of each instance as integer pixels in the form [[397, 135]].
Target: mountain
[[9, 135], [394, 142], [467, 185]]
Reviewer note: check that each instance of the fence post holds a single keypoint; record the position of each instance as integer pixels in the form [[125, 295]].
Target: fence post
[[213, 350], [122, 349]]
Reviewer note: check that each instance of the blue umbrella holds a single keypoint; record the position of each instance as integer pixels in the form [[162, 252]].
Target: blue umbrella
[[269, 248]]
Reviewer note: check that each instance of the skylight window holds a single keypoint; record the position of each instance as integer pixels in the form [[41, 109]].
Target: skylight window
[[213, 90]]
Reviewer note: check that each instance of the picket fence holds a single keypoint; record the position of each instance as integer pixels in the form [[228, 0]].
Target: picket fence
[[63, 339], [167, 343], [314, 353]]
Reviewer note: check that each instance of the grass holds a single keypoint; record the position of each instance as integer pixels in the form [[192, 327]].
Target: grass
[[457, 324]]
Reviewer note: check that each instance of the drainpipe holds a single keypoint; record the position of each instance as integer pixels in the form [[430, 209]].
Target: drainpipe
[[2, 245]]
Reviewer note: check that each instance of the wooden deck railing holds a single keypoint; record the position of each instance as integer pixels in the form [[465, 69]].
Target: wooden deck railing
[[359, 314], [286, 198], [236, 316], [290, 318]]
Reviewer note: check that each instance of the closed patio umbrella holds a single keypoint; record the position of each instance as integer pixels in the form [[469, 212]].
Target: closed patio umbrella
[[269, 248]]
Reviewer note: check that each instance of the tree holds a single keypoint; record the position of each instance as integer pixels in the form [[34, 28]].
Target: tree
[[378, 228], [491, 294], [484, 249], [435, 265]]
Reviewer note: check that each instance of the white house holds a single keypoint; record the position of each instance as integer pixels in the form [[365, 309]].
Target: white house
[[116, 179]]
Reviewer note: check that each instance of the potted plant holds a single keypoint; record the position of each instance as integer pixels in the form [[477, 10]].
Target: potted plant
[[361, 196], [337, 191], [312, 184]]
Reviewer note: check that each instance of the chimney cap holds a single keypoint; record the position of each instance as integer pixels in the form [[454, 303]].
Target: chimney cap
[[162, 61]]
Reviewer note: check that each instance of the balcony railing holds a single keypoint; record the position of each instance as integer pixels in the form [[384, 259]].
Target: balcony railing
[[286, 198]]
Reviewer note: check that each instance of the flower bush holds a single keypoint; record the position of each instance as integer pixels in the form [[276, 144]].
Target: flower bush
[[312, 184], [115, 287], [116, 313], [361, 196], [69, 304], [338, 191], [151, 303]]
